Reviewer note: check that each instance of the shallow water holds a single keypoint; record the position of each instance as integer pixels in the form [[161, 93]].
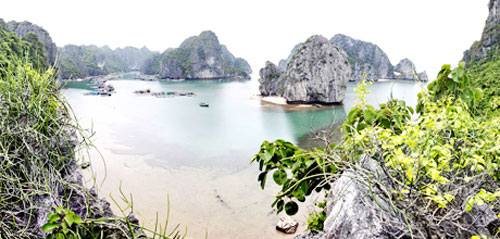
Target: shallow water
[[200, 156]]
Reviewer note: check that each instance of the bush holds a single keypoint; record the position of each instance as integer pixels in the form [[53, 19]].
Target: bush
[[437, 169]]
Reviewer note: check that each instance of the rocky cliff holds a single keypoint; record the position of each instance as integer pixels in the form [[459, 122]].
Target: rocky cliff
[[24, 28], [365, 57], [83, 61], [271, 80], [201, 57], [317, 73], [490, 39]]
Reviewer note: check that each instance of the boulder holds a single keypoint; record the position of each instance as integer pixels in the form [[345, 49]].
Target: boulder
[[287, 225]]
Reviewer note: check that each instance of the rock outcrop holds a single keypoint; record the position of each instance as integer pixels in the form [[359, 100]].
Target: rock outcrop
[[287, 225], [271, 80], [201, 57], [284, 62], [318, 72], [405, 70], [490, 39], [24, 28], [354, 210], [365, 57]]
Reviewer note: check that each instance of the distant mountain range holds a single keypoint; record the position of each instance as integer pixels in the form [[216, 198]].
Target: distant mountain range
[[203, 57]]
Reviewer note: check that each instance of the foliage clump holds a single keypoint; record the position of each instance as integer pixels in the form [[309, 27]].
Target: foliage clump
[[440, 170], [39, 169]]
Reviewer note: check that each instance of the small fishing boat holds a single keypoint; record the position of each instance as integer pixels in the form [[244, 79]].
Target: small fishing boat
[[203, 104]]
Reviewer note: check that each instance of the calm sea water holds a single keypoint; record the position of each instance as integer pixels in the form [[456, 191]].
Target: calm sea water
[[200, 156]]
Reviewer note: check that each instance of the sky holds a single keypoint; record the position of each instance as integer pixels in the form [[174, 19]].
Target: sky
[[428, 32]]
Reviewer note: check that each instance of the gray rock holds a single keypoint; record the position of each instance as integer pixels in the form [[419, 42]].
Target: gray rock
[[271, 83], [352, 212], [284, 63], [490, 38], [310, 235], [202, 57], [406, 71], [287, 225], [422, 76], [365, 57], [317, 73]]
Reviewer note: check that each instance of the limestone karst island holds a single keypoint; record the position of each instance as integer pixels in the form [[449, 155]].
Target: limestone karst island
[[264, 120]]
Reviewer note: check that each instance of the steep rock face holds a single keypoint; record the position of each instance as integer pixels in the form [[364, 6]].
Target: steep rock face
[[284, 63], [202, 57], [24, 28], [271, 81], [317, 72], [490, 38], [405, 70], [365, 57]]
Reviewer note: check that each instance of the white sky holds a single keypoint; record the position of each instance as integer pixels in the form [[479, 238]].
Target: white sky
[[428, 32]]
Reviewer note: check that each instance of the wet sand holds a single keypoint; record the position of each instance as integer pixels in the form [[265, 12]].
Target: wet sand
[[227, 202]]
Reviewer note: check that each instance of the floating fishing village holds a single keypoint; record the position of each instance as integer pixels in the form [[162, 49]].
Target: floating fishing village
[[101, 88]]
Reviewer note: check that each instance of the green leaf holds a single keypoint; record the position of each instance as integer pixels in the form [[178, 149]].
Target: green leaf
[[299, 195], [49, 227], [309, 162], [412, 111], [68, 219], [59, 210], [53, 217], [269, 153], [304, 186], [77, 219], [279, 176], [280, 205], [291, 208], [262, 179], [296, 166]]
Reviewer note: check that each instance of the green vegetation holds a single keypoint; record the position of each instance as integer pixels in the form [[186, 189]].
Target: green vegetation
[[274, 75], [485, 74], [83, 61], [62, 224], [435, 169], [41, 147], [151, 66], [195, 55], [12, 48]]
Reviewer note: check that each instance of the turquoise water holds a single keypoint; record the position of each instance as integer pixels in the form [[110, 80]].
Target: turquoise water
[[200, 155]]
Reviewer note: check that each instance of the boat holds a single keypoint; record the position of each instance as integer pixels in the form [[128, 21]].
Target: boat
[[203, 104]]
